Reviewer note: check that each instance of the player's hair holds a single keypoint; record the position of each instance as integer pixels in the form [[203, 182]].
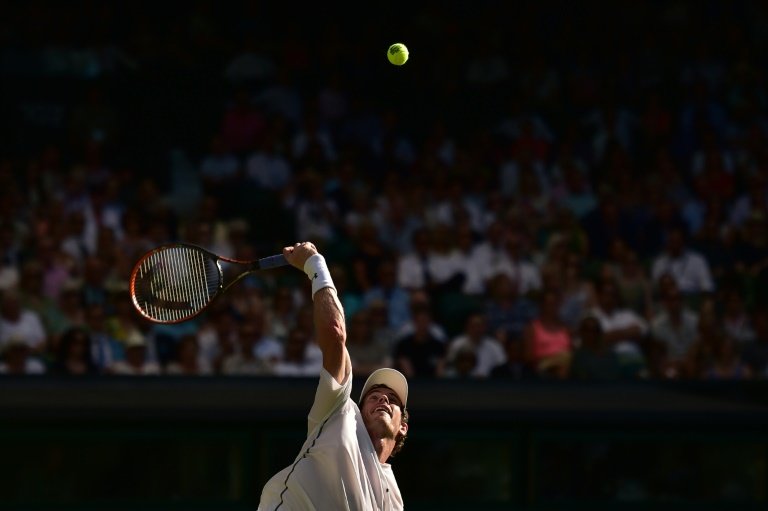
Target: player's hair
[[400, 439]]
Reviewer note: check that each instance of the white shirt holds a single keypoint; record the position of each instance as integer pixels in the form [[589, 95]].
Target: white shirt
[[441, 267], [690, 271], [28, 328], [337, 467], [619, 319], [525, 273], [488, 351]]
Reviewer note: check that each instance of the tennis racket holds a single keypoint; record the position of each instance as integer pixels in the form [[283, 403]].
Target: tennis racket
[[176, 282]]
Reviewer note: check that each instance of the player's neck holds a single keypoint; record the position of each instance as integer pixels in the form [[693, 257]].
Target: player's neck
[[383, 446]]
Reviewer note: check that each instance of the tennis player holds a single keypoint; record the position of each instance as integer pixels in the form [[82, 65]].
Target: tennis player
[[343, 462]]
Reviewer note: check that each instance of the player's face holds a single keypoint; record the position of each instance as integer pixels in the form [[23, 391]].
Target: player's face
[[383, 409]]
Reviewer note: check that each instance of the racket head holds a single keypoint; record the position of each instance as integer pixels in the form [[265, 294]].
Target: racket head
[[175, 282]]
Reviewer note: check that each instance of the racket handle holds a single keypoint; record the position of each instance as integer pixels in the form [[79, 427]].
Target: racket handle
[[274, 261]]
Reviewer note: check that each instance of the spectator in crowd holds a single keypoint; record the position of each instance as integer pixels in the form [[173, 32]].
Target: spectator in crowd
[[68, 310], [254, 353], [737, 321], [594, 358], [488, 351], [548, 345], [267, 166], [92, 189], [420, 354], [516, 366], [755, 354], [386, 290], [281, 316], [622, 328], [474, 282], [242, 124], [136, 362], [413, 267], [516, 266], [217, 334], [73, 354], [187, 360], [635, 288], [316, 215], [689, 269], [726, 362], [219, 167], [420, 300], [674, 330], [18, 358], [367, 351], [433, 265], [297, 359], [106, 351], [462, 364], [10, 257], [349, 295], [20, 324], [508, 313], [489, 251], [382, 332]]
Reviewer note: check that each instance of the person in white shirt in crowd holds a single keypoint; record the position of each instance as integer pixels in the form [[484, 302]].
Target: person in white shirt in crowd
[[623, 329], [267, 166], [489, 252], [516, 265], [413, 266], [344, 462], [136, 362], [19, 323], [474, 271], [435, 264], [16, 358], [737, 321], [674, 330], [489, 352], [297, 359], [316, 215], [689, 268]]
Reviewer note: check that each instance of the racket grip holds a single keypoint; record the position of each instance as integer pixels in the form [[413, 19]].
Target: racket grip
[[274, 261]]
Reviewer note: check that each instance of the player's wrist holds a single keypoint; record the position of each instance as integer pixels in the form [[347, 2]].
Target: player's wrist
[[317, 270]]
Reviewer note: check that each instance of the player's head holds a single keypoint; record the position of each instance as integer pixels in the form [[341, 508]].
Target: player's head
[[383, 402]]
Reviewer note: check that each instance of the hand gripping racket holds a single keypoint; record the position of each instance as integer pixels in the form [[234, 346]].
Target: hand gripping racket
[[176, 282]]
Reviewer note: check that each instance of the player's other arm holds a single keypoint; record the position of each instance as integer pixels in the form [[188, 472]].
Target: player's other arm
[[330, 329]]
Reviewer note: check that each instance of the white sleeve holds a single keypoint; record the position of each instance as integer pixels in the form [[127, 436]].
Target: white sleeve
[[330, 395]]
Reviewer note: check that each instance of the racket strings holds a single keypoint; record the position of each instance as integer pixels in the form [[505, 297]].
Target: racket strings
[[176, 283]]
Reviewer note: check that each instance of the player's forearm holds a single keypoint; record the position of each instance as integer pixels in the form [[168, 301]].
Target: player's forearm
[[330, 326], [331, 334]]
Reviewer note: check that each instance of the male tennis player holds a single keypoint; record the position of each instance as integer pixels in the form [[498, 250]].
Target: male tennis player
[[343, 463]]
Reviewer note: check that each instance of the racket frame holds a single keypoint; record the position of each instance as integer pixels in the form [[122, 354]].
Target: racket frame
[[246, 268]]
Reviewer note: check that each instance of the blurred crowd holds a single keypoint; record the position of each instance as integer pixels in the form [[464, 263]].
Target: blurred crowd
[[524, 208]]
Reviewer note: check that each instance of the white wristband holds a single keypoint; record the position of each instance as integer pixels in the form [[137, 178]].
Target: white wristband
[[318, 273]]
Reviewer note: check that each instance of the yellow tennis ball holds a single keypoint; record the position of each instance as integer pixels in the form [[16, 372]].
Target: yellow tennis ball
[[397, 54]]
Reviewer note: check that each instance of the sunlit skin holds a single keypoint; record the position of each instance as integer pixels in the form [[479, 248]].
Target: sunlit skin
[[383, 417]]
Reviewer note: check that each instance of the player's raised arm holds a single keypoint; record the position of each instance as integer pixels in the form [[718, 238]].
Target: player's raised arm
[[330, 329]]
